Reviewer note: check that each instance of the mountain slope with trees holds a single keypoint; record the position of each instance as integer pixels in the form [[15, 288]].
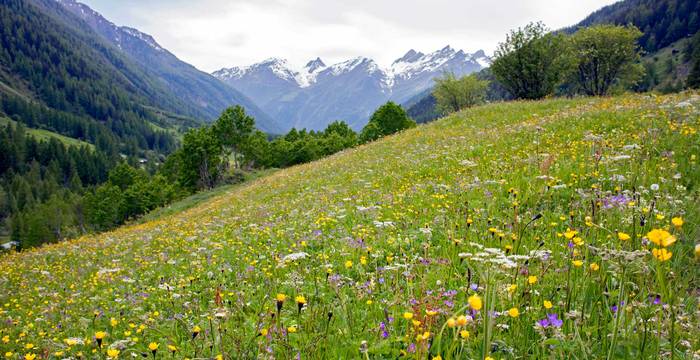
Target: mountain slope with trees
[[666, 26], [662, 22], [204, 94]]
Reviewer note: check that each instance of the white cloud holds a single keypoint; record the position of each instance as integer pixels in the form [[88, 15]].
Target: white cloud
[[211, 34]]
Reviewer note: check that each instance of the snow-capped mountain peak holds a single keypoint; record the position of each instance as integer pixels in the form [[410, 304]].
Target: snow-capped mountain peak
[[315, 94], [350, 65], [116, 33], [410, 56], [481, 58], [314, 65], [307, 75], [406, 67], [415, 62]]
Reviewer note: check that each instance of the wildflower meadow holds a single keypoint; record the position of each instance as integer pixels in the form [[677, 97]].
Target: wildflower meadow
[[557, 229]]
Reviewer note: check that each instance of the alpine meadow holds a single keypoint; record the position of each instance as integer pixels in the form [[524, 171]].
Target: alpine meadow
[[540, 202]]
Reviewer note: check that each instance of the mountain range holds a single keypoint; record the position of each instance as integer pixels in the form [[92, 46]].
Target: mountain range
[[313, 96], [207, 96]]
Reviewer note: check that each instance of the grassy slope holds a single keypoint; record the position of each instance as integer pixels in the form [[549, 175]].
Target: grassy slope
[[41, 134], [383, 227], [675, 76], [200, 197]]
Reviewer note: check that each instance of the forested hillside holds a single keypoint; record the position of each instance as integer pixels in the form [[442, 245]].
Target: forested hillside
[[67, 80], [662, 22], [203, 96], [76, 100]]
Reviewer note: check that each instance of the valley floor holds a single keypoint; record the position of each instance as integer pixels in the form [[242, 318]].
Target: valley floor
[[553, 229]]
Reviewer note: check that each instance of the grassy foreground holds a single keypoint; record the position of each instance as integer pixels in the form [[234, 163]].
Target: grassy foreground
[[562, 229]]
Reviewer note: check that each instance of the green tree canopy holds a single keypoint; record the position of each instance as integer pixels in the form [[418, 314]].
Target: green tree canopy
[[531, 62], [233, 129], [200, 158], [123, 175], [388, 119], [605, 56], [453, 94]]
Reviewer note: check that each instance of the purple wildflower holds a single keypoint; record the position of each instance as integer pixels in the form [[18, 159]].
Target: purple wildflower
[[552, 320], [382, 327], [618, 201], [449, 293]]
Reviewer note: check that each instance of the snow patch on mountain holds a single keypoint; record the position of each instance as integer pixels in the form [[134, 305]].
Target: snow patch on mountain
[[90, 15], [404, 68], [148, 39], [314, 95], [307, 76]]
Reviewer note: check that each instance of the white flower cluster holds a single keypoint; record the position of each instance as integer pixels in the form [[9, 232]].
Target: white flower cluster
[[498, 257]]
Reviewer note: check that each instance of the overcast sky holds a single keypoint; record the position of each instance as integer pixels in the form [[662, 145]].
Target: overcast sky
[[211, 34]]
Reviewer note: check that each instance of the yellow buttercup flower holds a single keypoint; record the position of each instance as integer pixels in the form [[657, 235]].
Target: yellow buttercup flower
[[348, 264], [547, 304], [113, 353], [532, 279], [461, 320], [29, 356], [292, 329], [99, 336], [513, 312], [451, 322], [153, 346], [623, 236], [475, 302], [577, 263], [408, 315], [464, 334], [668, 241], [195, 331], [661, 254], [594, 267], [569, 234], [677, 221], [424, 336], [661, 237]]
